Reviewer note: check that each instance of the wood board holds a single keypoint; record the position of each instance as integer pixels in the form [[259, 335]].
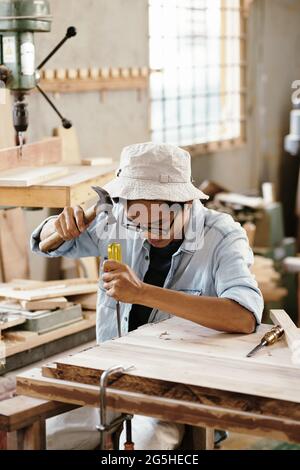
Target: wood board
[[70, 145], [44, 304], [14, 256], [87, 301], [71, 190], [35, 341], [45, 152], [177, 351], [48, 292], [30, 176], [205, 407]]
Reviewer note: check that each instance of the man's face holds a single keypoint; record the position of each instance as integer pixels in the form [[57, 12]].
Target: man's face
[[160, 222]]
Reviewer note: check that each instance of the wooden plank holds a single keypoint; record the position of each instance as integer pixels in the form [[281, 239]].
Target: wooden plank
[[87, 301], [292, 334], [233, 412], [13, 348], [38, 154], [12, 321], [13, 245], [70, 145], [100, 161], [224, 365], [44, 304], [21, 411], [76, 189], [48, 292], [30, 176], [7, 131]]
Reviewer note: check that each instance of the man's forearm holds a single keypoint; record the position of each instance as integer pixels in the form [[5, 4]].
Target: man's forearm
[[211, 312]]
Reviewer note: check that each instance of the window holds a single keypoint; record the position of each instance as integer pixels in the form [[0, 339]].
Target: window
[[197, 63]]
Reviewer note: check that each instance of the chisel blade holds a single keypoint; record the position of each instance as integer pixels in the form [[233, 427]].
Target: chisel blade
[[257, 348]]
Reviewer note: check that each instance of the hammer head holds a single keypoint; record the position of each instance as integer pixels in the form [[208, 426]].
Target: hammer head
[[105, 204]]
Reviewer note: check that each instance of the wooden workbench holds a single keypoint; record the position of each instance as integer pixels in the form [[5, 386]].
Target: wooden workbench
[[183, 373], [73, 189]]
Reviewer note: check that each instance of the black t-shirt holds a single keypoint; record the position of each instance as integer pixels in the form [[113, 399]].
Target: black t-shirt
[[159, 267]]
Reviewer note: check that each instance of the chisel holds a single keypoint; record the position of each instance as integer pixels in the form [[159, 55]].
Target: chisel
[[115, 254], [268, 339]]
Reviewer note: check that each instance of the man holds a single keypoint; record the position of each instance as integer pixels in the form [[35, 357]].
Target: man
[[178, 259]]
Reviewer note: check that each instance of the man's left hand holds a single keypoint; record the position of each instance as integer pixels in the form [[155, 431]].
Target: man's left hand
[[121, 282]]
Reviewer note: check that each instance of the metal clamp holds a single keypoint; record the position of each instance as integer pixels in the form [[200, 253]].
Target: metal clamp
[[104, 426]]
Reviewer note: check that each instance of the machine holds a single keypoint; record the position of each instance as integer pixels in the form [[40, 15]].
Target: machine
[[19, 20]]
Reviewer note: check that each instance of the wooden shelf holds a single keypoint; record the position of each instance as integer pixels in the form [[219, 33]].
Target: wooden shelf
[[95, 79], [73, 189]]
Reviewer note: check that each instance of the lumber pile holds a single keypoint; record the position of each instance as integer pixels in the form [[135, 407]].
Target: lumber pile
[[34, 308]]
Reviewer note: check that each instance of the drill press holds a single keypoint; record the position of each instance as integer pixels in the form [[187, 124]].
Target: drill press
[[19, 20]]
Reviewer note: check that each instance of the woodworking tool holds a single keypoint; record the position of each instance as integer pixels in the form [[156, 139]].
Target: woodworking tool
[[271, 337], [19, 20], [103, 205], [104, 426], [115, 254]]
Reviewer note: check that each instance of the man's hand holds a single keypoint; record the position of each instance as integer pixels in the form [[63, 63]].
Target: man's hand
[[70, 223], [121, 282]]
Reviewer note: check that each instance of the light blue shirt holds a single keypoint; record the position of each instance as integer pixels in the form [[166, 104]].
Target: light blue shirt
[[213, 260]]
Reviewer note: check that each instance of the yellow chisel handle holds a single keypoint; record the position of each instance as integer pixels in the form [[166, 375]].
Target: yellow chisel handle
[[115, 252]]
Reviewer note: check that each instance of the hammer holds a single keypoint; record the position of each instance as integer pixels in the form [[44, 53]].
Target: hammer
[[104, 204]]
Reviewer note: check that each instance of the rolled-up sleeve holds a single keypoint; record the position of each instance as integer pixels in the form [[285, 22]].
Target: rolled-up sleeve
[[84, 246], [232, 276]]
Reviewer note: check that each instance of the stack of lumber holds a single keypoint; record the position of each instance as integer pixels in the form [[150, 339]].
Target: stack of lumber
[[268, 279], [40, 307]]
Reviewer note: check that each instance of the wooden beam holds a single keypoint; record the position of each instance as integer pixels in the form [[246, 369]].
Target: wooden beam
[[39, 340], [45, 152], [21, 411], [247, 421]]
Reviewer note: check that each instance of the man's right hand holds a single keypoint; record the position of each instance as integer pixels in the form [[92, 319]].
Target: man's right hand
[[69, 224]]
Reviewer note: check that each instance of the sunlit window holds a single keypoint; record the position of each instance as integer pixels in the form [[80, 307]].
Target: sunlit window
[[197, 71]]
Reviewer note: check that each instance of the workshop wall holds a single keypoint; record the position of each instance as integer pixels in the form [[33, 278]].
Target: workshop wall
[[110, 33]]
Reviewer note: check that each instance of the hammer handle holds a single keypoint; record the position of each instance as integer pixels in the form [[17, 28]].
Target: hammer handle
[[55, 239]]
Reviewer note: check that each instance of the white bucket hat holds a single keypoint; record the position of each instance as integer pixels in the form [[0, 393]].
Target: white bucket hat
[[154, 172]]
